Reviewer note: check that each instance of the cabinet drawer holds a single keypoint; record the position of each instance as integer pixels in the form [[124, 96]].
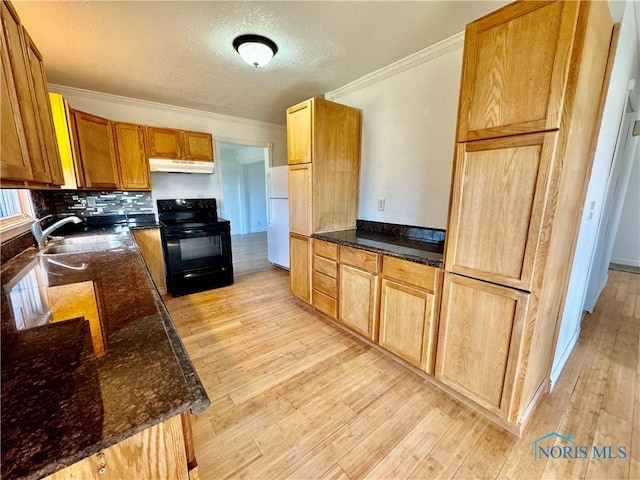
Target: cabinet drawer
[[359, 258], [325, 266], [416, 274], [325, 304], [324, 284], [325, 249]]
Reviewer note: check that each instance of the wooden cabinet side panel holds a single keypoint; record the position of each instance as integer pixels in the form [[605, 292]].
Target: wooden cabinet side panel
[[150, 245], [336, 166], [357, 300], [132, 158], [15, 164], [509, 88], [299, 133], [157, 452], [14, 44], [97, 151], [300, 267], [474, 343], [45, 117], [300, 199]]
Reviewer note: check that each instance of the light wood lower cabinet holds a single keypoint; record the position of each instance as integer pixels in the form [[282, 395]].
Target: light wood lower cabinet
[[358, 300], [480, 333], [157, 453], [149, 243], [300, 266], [324, 280]]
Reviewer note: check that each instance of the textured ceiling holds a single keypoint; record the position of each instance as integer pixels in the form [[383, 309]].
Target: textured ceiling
[[180, 52]]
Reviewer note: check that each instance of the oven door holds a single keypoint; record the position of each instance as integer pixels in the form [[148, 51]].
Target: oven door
[[197, 259]]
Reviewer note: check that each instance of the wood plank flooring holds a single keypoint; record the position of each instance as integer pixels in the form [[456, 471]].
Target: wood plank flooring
[[295, 397]]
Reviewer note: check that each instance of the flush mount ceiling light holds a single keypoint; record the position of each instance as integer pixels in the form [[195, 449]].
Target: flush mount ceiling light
[[256, 50]]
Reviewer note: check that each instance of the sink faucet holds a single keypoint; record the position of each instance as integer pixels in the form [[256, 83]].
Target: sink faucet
[[41, 235]]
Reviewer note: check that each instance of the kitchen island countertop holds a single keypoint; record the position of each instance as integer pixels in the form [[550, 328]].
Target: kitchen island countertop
[[73, 385]]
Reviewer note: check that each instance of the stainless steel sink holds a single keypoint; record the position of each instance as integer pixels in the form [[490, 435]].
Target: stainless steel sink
[[81, 244]]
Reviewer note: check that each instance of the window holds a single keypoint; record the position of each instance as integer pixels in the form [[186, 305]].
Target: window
[[16, 213]]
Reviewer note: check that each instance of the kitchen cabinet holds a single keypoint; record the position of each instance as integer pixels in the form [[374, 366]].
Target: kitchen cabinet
[[178, 144], [516, 70], [97, 161], [45, 117], [157, 452], [300, 266], [323, 153], [409, 311], [28, 120], [498, 206], [149, 243], [530, 107], [478, 343], [324, 280], [358, 291], [131, 156]]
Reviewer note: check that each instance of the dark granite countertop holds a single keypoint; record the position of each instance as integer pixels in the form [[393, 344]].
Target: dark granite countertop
[[74, 386], [388, 244]]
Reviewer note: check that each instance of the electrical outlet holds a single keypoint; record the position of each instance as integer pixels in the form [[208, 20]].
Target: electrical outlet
[[381, 204]]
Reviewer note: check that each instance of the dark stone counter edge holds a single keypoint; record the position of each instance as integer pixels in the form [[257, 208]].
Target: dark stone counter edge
[[197, 404], [432, 262]]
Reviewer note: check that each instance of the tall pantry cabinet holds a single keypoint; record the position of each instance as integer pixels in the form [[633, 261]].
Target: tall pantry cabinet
[[532, 79], [323, 153]]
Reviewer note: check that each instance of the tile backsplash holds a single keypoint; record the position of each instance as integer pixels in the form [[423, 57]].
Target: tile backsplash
[[88, 204]]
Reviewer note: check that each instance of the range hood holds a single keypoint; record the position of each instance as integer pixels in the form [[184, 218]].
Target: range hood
[[180, 166]]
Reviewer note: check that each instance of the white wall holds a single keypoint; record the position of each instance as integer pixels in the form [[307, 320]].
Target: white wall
[[624, 68], [409, 119], [626, 249], [176, 185], [255, 196], [233, 207]]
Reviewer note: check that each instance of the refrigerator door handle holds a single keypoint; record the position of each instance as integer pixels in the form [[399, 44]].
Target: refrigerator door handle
[[269, 198]]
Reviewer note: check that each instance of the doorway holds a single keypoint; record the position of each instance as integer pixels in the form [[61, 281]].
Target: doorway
[[241, 173]]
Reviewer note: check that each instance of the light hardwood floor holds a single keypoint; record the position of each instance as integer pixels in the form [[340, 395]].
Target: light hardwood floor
[[295, 397], [249, 253]]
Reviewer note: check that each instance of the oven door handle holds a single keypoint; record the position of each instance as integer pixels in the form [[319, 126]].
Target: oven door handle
[[198, 231]]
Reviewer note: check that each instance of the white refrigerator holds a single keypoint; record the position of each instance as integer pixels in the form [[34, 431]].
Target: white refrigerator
[[278, 216]]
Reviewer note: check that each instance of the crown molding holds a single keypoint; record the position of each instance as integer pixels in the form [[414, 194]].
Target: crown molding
[[434, 51], [134, 102]]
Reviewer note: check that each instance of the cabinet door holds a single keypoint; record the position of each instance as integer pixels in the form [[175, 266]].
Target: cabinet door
[[163, 142], [478, 342], [15, 163], [97, 151], [299, 133], [132, 158], [300, 199], [507, 88], [358, 300], [198, 146], [300, 267], [19, 67], [407, 316], [500, 195], [41, 95]]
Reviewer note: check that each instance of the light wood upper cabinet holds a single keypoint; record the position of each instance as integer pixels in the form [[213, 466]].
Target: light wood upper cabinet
[[15, 164], [299, 133], [198, 146], [498, 204], [409, 311], [132, 158], [479, 339], [45, 117], [19, 66], [515, 70], [96, 149], [300, 267], [178, 144], [300, 194]]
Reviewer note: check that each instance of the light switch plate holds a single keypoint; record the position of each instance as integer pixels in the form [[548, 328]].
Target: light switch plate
[[636, 128], [381, 204]]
